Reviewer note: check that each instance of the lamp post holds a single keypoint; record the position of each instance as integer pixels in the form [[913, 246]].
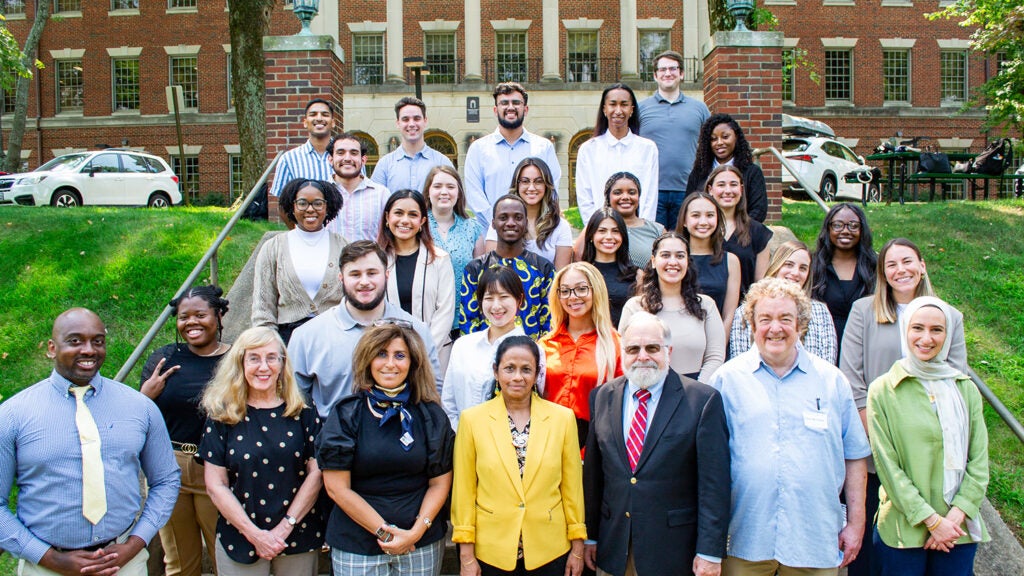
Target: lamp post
[[739, 10], [305, 11], [419, 69]]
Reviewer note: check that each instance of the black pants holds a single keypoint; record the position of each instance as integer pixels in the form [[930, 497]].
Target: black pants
[[554, 568], [861, 566]]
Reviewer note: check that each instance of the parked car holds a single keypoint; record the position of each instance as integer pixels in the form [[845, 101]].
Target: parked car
[[111, 177], [826, 162]]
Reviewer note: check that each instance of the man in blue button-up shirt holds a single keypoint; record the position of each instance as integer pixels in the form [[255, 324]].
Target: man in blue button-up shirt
[[407, 166], [40, 447]]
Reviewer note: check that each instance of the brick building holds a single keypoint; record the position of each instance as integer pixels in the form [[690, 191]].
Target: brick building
[[883, 68]]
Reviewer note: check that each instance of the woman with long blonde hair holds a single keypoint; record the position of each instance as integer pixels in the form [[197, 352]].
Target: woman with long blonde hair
[[261, 470], [582, 349]]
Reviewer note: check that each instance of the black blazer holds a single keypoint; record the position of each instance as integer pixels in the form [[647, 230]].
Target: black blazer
[[671, 508]]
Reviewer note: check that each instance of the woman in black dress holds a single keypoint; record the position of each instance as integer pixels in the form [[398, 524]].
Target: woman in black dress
[[174, 378], [844, 263], [746, 238], [606, 246], [261, 472], [386, 452]]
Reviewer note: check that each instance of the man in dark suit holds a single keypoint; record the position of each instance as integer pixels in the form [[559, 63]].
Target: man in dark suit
[[657, 495]]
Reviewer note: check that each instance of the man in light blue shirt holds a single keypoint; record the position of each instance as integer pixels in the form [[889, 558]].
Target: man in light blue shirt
[[40, 447], [406, 167], [492, 159], [796, 442], [673, 121], [321, 349]]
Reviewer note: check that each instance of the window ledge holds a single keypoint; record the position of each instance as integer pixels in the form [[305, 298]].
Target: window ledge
[[838, 3], [951, 103], [124, 112], [182, 11], [897, 104], [75, 14], [780, 3], [71, 113], [897, 4], [838, 104], [124, 12], [15, 16]]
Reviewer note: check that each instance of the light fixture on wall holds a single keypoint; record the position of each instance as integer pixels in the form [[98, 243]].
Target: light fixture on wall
[[305, 11]]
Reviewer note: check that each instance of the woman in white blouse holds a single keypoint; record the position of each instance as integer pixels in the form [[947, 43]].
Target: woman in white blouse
[[297, 271]]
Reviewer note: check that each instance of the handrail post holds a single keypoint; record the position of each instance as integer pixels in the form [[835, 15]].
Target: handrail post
[[214, 279]]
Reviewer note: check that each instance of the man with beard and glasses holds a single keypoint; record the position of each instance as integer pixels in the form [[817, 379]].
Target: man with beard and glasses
[[363, 199], [492, 159], [656, 473], [321, 350]]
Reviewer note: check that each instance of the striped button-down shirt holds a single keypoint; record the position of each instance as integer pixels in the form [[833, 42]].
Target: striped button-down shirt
[[301, 162], [361, 212]]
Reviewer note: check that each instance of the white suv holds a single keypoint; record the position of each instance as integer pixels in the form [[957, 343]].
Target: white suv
[[105, 177], [826, 162]]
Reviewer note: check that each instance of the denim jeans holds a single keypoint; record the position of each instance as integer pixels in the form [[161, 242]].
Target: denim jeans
[[669, 203]]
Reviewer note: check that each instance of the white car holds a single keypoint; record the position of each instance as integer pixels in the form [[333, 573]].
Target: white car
[[105, 177], [826, 162]]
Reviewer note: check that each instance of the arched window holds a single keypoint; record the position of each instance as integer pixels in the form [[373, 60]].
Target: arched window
[[444, 144], [372, 151], [574, 149]]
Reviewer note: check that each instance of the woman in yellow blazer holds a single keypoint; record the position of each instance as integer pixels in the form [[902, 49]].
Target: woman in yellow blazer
[[517, 496]]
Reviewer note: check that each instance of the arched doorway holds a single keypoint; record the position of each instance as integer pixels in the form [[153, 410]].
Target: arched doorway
[[444, 144], [574, 148]]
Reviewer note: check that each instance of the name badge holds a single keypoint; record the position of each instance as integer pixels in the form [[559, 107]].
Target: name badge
[[816, 420]]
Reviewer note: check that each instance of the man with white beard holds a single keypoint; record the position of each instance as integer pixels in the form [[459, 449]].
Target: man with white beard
[[656, 476]]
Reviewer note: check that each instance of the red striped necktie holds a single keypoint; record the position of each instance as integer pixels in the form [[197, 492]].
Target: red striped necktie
[[638, 429]]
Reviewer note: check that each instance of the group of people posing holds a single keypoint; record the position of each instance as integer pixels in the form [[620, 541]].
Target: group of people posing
[[642, 399]]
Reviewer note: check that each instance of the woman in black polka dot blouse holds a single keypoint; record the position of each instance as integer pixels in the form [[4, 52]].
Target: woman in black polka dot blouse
[[261, 472]]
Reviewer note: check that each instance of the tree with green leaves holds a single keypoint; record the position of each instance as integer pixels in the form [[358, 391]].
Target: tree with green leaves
[[15, 73], [999, 31]]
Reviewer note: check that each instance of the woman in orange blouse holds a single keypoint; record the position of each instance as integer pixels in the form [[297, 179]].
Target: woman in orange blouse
[[582, 349]]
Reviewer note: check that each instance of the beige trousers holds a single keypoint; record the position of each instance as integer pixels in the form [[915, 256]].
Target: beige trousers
[[193, 522]]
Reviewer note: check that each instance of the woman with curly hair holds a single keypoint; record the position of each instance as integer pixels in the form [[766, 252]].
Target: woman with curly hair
[[844, 263], [722, 142], [717, 270], [670, 292], [174, 377], [297, 271], [548, 234], [606, 245], [261, 470], [582, 350]]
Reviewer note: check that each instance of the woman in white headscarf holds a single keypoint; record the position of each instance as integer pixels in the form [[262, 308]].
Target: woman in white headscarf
[[930, 446]]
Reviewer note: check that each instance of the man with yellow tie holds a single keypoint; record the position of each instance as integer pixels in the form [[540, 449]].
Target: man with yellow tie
[[75, 443]]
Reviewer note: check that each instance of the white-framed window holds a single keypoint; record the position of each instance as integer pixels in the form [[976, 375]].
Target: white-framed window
[[953, 76], [838, 75], [70, 95], [189, 180], [230, 89], [581, 58], [7, 101], [125, 87], [896, 76], [124, 4], [651, 43], [439, 54], [367, 59], [182, 4], [67, 6], [789, 74], [10, 8], [510, 56], [184, 72], [234, 175]]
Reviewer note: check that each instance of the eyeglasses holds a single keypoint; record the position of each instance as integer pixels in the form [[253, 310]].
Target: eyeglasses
[[581, 291], [661, 69], [537, 182], [393, 321], [303, 204], [651, 349], [838, 225], [270, 359], [510, 103]]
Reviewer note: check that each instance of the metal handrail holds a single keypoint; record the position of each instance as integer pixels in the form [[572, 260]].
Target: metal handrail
[[1015, 426], [209, 257]]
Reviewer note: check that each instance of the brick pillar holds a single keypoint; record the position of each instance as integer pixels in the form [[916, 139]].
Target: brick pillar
[[298, 69], [743, 78]]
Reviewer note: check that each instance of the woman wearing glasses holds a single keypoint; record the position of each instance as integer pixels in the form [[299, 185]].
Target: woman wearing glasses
[[297, 271], [582, 350], [386, 452], [670, 292], [261, 470]]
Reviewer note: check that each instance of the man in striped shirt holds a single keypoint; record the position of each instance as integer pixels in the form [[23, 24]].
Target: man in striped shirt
[[364, 199], [311, 160]]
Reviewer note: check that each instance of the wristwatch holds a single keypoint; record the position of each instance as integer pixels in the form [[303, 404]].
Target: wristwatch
[[426, 521], [291, 521]]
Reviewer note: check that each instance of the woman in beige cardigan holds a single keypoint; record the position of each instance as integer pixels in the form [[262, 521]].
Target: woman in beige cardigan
[[296, 275], [420, 275]]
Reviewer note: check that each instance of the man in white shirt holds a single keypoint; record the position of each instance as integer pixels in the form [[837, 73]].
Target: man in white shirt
[[407, 166], [364, 199], [492, 159]]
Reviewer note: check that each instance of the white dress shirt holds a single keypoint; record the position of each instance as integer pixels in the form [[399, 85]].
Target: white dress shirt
[[605, 155]]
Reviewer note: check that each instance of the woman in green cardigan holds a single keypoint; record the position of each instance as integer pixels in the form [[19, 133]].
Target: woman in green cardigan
[[930, 446]]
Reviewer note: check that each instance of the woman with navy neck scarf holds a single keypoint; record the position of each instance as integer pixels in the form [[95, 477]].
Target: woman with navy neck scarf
[[386, 456]]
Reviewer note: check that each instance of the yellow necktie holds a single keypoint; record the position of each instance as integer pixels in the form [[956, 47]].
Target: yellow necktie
[[94, 493]]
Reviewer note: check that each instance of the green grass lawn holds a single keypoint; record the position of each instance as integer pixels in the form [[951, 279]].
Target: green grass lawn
[[126, 263]]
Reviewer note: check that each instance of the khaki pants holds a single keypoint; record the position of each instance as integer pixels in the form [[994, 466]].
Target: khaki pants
[[193, 522], [135, 567], [304, 564], [630, 567], [739, 567]]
